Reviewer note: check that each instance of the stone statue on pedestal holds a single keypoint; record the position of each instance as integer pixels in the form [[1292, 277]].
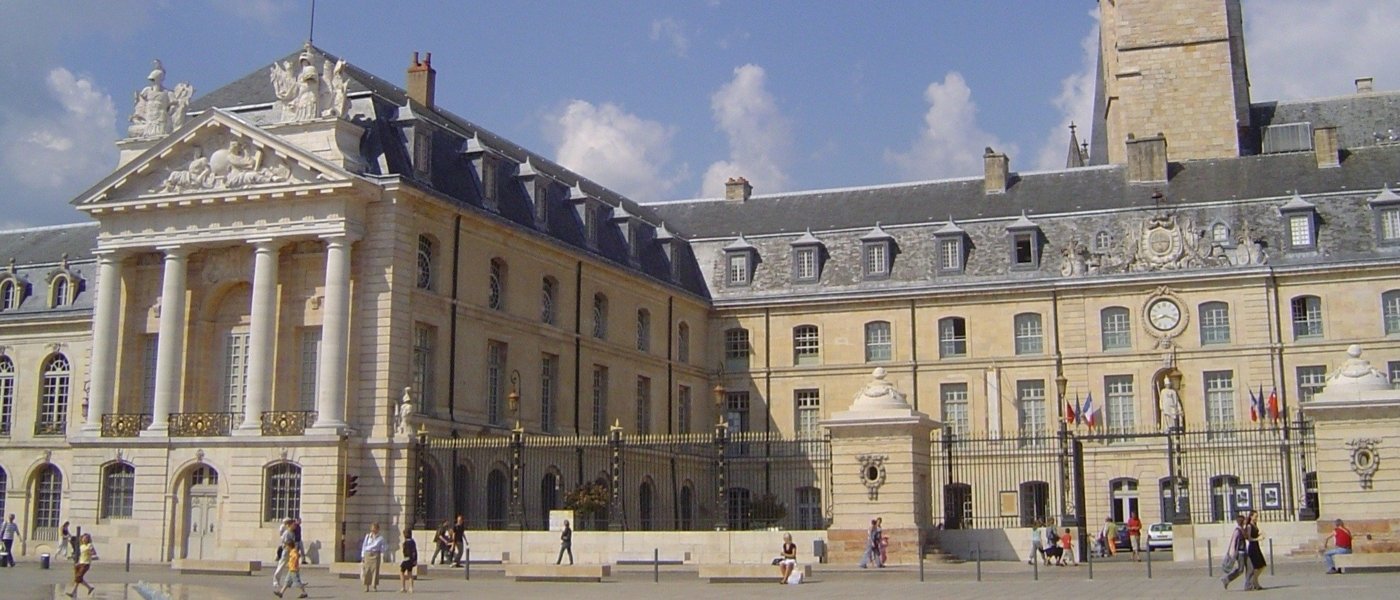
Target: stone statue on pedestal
[[403, 426], [1169, 402]]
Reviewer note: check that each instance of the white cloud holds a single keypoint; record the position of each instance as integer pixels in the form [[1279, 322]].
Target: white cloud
[[1075, 104], [55, 149], [951, 142], [671, 31], [622, 151], [760, 137], [1313, 48]]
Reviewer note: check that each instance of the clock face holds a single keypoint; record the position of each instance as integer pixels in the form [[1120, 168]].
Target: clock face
[[1164, 315]]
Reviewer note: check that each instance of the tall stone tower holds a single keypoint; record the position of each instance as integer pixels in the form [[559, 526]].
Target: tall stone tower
[[1175, 67]]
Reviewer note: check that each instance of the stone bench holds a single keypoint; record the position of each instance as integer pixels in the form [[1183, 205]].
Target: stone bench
[[748, 573], [351, 570], [215, 567], [1368, 561], [570, 573], [648, 560]]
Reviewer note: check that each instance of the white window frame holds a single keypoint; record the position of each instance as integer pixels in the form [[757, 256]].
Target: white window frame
[[1030, 402], [118, 491], [807, 406], [1120, 410], [1215, 323], [1116, 328], [1030, 334], [954, 409], [1306, 315], [879, 341], [952, 343], [1220, 398]]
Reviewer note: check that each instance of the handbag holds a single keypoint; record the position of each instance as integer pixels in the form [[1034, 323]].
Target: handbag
[[1229, 564]]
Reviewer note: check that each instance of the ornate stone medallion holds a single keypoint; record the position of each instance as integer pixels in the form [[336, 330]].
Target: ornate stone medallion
[[1365, 459]]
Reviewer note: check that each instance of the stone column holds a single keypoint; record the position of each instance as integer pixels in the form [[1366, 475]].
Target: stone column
[[335, 330], [106, 315], [170, 345], [880, 468], [262, 337]]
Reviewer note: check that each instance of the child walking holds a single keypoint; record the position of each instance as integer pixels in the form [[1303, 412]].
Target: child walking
[[293, 570]]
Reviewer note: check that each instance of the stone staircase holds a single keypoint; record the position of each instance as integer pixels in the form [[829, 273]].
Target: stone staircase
[[932, 553]]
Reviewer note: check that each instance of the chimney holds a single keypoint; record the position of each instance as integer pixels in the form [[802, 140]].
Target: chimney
[[1325, 147], [422, 80], [1147, 158], [1364, 85], [737, 188], [996, 166]]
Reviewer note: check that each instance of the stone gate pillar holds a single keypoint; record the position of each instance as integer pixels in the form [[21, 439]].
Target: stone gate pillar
[[1357, 423], [880, 468]]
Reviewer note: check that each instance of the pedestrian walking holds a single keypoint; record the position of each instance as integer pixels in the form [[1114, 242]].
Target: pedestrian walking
[[86, 554], [409, 563], [1341, 537], [293, 554], [1067, 546], [372, 551], [1233, 564], [8, 533], [459, 540], [1037, 543], [285, 536], [63, 541], [872, 537], [443, 540], [1254, 555], [1110, 536], [566, 544], [883, 540], [1135, 536]]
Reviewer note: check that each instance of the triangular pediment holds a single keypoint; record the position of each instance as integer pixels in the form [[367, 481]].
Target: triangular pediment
[[215, 154]]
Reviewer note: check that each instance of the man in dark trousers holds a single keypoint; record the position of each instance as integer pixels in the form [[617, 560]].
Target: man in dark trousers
[[459, 540], [566, 544]]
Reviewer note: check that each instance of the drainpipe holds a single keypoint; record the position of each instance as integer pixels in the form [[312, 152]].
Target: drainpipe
[[452, 323]]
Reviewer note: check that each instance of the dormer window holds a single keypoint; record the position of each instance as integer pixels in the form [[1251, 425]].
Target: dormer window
[[629, 226], [1300, 224], [590, 224], [807, 259], [740, 258], [1386, 206], [1220, 235], [1025, 244], [1103, 242], [952, 248], [9, 294], [62, 290], [422, 151], [537, 187], [490, 188], [584, 210], [877, 253]]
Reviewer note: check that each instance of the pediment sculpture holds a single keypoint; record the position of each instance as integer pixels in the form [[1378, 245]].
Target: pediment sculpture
[[159, 111], [304, 93], [231, 166]]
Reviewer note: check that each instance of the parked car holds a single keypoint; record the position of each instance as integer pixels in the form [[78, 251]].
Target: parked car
[[1159, 536]]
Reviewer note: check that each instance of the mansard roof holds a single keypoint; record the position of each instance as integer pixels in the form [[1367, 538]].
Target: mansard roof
[[1359, 118]]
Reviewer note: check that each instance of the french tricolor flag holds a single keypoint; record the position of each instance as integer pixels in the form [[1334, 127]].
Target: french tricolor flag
[[1087, 412]]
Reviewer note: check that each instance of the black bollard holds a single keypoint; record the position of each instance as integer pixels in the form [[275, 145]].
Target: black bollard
[[467, 563], [979, 561], [1035, 567], [1210, 560], [128, 557], [1090, 554], [1271, 557], [1149, 560], [656, 565], [921, 565]]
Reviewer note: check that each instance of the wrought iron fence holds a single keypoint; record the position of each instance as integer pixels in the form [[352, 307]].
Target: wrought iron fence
[[627, 482], [203, 424], [125, 425], [1087, 476], [287, 422]]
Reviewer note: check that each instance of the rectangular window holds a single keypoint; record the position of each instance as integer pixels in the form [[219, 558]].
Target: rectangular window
[[1393, 368], [952, 337], [954, 397], [1117, 332], [808, 404], [1118, 394], [683, 343], [1300, 231], [738, 268], [1030, 336], [1030, 397], [310, 357], [1390, 225], [424, 340], [7, 405], [643, 331], [806, 345], [879, 345], [1215, 323], [549, 376], [1390, 312], [643, 405], [1024, 250], [950, 255], [235, 372], [495, 382], [1310, 382], [1220, 398], [877, 259], [736, 417], [736, 350], [590, 224], [600, 400], [804, 262], [683, 415], [1307, 317], [148, 373]]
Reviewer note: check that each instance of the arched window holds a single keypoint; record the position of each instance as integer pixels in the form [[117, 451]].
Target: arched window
[[740, 501], [1307, 317], [425, 262], [9, 295], [1123, 494], [600, 316], [957, 506], [61, 294], [952, 337], [1030, 334], [4, 490], [687, 507], [1390, 311], [461, 490], [644, 505], [1035, 502], [1220, 234], [806, 345], [879, 342], [496, 499], [48, 502], [809, 508], [1103, 241], [1215, 323], [683, 342], [497, 285], [118, 490], [1115, 328], [282, 492], [643, 330], [549, 495], [1169, 494], [53, 397], [547, 289], [7, 399]]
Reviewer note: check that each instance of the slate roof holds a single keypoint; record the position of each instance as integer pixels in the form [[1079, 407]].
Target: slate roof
[[37, 252], [1357, 117]]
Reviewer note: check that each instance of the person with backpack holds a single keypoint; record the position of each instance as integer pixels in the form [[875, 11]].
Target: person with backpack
[[1233, 564]]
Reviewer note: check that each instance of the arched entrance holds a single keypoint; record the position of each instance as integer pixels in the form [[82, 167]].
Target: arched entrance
[[201, 533]]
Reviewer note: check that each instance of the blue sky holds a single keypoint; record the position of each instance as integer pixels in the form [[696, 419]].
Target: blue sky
[[659, 100]]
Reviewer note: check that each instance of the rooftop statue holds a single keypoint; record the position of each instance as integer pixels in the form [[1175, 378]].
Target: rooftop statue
[[303, 93], [159, 111]]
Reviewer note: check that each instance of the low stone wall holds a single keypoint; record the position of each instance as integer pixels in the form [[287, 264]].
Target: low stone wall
[[1189, 541], [598, 547]]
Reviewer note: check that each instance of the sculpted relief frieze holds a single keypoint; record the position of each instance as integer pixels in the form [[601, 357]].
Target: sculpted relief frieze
[[1162, 242], [224, 164]]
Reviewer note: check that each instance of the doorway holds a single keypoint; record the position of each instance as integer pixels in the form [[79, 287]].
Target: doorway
[[202, 513], [1123, 494]]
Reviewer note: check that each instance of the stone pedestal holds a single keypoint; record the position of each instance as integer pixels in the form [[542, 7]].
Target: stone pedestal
[[880, 468], [1357, 424]]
